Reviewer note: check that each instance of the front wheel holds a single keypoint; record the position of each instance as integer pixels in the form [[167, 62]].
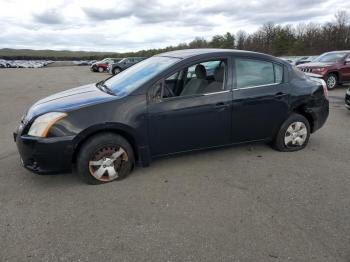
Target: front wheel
[[331, 81], [100, 69], [104, 158], [293, 135]]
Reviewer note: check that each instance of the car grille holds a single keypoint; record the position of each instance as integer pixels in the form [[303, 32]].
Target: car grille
[[306, 70]]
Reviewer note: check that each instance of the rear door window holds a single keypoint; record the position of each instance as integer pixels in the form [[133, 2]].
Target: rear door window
[[254, 73]]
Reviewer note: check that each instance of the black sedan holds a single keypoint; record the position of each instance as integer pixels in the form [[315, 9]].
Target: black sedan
[[171, 103]]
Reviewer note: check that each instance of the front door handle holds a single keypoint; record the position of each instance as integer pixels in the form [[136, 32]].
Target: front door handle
[[221, 106]]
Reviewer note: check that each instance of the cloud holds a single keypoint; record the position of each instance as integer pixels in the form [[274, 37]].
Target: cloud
[[106, 14], [137, 24], [150, 12], [49, 17]]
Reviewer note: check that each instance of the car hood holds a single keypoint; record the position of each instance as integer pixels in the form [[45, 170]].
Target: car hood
[[316, 64], [69, 100]]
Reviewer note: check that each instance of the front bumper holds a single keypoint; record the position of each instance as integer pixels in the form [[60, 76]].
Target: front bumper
[[45, 155]]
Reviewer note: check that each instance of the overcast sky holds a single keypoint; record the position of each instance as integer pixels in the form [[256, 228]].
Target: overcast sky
[[104, 25]]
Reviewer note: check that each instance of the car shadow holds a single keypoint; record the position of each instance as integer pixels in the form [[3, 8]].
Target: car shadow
[[71, 179]]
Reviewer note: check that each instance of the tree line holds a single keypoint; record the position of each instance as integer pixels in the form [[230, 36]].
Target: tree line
[[278, 40]]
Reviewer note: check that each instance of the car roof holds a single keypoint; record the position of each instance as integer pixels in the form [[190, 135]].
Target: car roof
[[187, 53]]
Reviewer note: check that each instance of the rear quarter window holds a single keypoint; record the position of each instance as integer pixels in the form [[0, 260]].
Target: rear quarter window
[[278, 73]]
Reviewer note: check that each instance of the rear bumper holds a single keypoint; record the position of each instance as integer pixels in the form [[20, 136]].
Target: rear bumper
[[319, 115], [45, 155], [347, 99]]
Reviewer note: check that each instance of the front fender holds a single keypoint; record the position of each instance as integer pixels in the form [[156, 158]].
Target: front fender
[[140, 147], [106, 127]]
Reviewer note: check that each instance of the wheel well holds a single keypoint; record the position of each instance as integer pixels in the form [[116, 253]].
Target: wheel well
[[301, 111], [122, 133], [334, 73]]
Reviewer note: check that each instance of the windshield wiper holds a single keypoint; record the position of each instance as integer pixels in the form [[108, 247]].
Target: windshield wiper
[[103, 87]]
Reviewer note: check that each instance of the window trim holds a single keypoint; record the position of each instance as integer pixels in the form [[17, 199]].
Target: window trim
[[187, 65], [251, 87], [235, 88]]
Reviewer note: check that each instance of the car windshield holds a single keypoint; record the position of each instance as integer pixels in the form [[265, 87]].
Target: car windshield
[[330, 57], [130, 79]]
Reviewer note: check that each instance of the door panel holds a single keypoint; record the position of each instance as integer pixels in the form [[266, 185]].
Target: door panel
[[187, 123], [260, 100], [259, 112]]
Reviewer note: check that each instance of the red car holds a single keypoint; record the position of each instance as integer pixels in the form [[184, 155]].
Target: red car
[[101, 66], [332, 67]]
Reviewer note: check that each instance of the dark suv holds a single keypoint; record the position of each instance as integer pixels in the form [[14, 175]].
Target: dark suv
[[333, 67], [171, 103], [123, 64]]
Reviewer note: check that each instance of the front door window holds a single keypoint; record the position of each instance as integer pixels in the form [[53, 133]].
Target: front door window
[[197, 79]]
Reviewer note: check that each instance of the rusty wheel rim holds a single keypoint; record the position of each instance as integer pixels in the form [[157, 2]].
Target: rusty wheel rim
[[107, 162]]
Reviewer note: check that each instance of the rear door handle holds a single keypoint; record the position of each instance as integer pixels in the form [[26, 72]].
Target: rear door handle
[[280, 95], [220, 104]]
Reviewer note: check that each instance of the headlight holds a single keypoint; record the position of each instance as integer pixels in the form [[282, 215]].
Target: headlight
[[318, 69], [43, 123]]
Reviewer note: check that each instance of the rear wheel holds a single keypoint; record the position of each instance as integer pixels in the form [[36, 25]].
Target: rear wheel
[[293, 135], [116, 71], [331, 81], [104, 158]]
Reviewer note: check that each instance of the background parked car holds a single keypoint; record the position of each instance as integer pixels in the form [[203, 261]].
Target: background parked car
[[101, 66], [305, 59], [125, 63], [81, 63], [333, 67], [23, 63]]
